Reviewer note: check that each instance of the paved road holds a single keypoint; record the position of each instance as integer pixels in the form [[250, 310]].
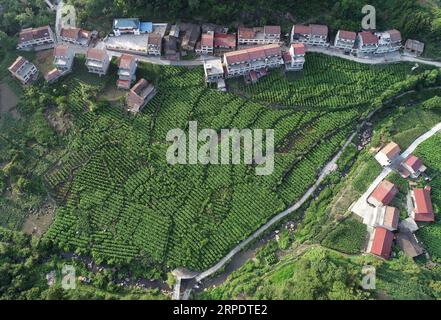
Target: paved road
[[360, 207], [374, 60], [329, 168]]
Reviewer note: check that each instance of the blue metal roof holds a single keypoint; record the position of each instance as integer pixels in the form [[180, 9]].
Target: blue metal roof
[[124, 23], [146, 27]]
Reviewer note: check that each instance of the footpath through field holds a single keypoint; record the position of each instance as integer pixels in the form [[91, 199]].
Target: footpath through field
[[373, 60]]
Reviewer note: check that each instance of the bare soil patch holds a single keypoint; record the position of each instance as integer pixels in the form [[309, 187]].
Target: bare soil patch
[[38, 223], [44, 61], [59, 122]]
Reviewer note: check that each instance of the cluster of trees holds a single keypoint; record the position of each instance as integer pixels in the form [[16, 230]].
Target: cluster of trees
[[25, 262]]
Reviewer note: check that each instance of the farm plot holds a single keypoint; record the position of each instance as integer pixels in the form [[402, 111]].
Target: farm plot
[[120, 200], [430, 235]]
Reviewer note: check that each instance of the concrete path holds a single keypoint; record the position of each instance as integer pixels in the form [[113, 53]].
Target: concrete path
[[393, 58], [329, 168]]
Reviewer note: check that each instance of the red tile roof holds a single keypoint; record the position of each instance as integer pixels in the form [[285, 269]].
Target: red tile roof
[[368, 37], [61, 50], [271, 29], [154, 39], [17, 64], [302, 29], [287, 57], [207, 39], [126, 61], [347, 35], [382, 242], [423, 205], [261, 52], [395, 35], [225, 40], [319, 29], [71, 33], [299, 48], [53, 74], [96, 54], [385, 192], [33, 33], [413, 162], [246, 33], [125, 84]]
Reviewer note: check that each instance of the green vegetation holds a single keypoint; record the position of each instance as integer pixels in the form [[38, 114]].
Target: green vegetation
[[318, 274], [122, 202], [430, 235], [25, 262], [348, 237]]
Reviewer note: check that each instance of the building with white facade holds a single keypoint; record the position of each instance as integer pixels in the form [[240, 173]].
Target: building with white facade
[[258, 35], [127, 71], [141, 93], [23, 70], [388, 154], [206, 45], [388, 41], [345, 40], [97, 61], [366, 43], [242, 62], [126, 25], [41, 38], [312, 35], [154, 44], [295, 58], [75, 36], [213, 70]]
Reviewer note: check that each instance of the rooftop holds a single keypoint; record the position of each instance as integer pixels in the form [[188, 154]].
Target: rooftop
[[385, 192], [126, 23], [96, 54], [368, 38], [256, 53], [382, 242], [34, 33], [126, 61], [423, 205], [391, 150]]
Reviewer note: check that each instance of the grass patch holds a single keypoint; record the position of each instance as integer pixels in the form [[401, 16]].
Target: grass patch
[[348, 237]]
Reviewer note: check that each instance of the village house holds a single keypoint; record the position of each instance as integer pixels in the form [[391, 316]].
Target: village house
[[295, 58], [140, 94], [192, 33], [345, 40], [36, 39], [388, 154], [422, 205], [413, 167], [313, 35], [127, 71], [409, 244], [381, 244], [258, 35], [53, 75], [171, 48], [213, 70], [97, 61], [225, 41], [414, 48], [206, 45], [174, 31], [126, 26], [75, 36], [241, 62], [154, 44], [24, 70], [383, 194], [63, 57], [388, 41], [389, 218], [366, 43]]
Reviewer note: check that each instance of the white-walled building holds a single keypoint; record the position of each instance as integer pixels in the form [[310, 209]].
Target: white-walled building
[[75, 36], [388, 154], [24, 70], [295, 58], [63, 57], [41, 38], [206, 45], [313, 35], [241, 62], [97, 61], [388, 41], [154, 44], [126, 25], [127, 71], [258, 35], [366, 43], [213, 70], [345, 40]]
